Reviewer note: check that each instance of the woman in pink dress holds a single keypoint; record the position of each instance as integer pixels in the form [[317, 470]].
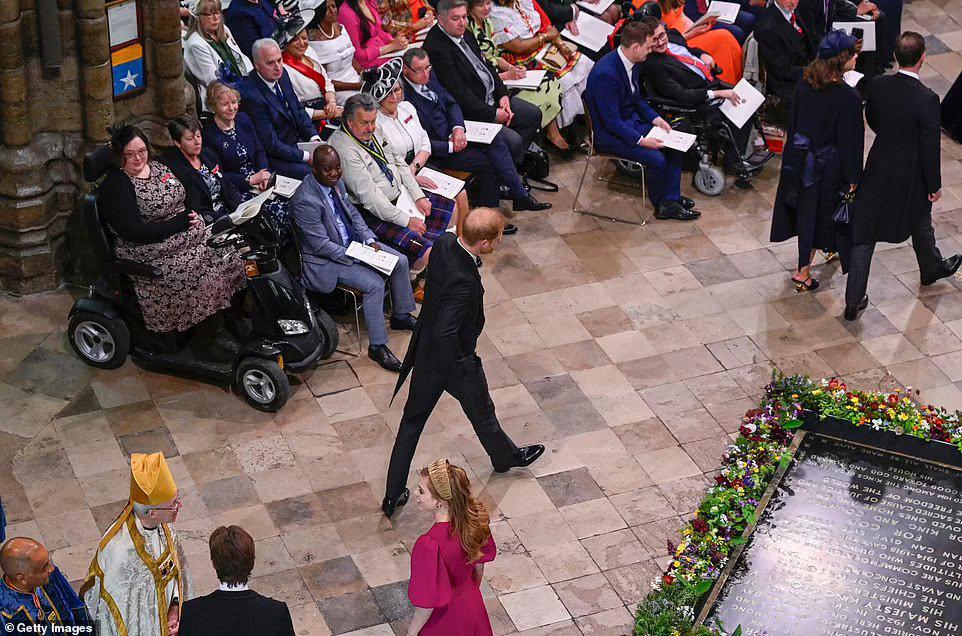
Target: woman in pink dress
[[447, 563], [363, 23]]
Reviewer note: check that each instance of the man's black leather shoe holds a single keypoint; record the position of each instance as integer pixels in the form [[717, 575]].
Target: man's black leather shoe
[[949, 265], [530, 203], [509, 229], [674, 210], [384, 357], [524, 456], [851, 313], [406, 321], [388, 506], [688, 204]]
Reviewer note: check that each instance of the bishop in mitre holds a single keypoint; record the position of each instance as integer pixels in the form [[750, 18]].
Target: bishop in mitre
[[137, 583]]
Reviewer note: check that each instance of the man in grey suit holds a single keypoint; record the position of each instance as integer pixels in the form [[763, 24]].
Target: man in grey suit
[[325, 223]]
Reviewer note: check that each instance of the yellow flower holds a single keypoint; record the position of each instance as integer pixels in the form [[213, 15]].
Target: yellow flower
[[817, 392], [677, 564], [854, 399], [903, 416]]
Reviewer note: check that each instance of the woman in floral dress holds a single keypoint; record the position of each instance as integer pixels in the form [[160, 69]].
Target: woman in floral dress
[[242, 158], [143, 204]]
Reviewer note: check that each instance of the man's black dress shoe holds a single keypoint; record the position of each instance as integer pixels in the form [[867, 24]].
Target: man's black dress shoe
[[688, 204], [509, 229], [674, 210], [530, 203], [950, 265], [384, 357], [406, 321], [851, 313], [524, 456], [388, 506]]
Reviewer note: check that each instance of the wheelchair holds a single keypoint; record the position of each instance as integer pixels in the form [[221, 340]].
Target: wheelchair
[[269, 331]]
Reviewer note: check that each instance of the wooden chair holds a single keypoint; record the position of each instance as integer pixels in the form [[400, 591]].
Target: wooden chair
[[592, 153]]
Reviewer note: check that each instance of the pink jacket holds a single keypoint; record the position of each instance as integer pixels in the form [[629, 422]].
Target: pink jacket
[[366, 53]]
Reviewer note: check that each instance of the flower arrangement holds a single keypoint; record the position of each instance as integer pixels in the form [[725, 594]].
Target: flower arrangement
[[730, 506]]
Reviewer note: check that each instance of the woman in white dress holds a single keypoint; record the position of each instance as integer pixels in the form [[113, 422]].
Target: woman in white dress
[[313, 87], [522, 30], [210, 51], [332, 47]]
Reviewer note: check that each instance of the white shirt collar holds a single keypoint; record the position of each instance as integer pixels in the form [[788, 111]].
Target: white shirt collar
[[453, 39], [233, 587], [909, 73], [470, 253], [629, 65], [270, 84], [786, 14]]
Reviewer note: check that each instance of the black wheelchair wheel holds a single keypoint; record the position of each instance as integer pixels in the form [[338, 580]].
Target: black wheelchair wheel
[[328, 331], [99, 341], [263, 384]]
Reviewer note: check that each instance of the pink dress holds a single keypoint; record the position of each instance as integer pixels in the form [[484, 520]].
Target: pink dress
[[441, 580], [366, 53]]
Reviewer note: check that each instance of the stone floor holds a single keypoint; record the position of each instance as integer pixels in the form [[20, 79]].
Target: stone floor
[[630, 352]]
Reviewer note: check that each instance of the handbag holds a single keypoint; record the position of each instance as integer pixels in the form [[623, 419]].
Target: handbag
[[841, 215], [535, 167]]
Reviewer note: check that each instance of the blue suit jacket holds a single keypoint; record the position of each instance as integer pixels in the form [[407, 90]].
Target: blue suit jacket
[[619, 113], [249, 22], [437, 118], [278, 128], [318, 239]]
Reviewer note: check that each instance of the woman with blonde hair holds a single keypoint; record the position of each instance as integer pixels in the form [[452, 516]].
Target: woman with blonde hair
[[447, 563], [210, 51]]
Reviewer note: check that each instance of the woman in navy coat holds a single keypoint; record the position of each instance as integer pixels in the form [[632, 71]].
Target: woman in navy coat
[[822, 158], [242, 157]]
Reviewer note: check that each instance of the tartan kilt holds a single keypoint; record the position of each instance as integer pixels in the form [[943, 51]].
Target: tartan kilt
[[405, 240]]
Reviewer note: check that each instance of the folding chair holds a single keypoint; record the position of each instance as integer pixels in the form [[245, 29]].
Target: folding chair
[[592, 153]]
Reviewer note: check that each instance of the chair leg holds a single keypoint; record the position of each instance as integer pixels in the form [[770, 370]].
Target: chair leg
[[604, 217], [581, 185], [357, 323]]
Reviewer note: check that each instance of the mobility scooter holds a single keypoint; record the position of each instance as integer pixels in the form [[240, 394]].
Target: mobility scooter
[[271, 329]]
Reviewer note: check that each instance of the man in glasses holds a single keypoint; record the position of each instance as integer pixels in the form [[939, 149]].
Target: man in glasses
[[136, 584], [442, 119]]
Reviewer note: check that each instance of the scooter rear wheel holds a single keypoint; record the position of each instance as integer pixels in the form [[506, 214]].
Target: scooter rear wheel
[[263, 384], [329, 331], [99, 341]]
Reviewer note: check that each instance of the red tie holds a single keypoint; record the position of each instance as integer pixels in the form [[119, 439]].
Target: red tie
[[692, 61], [702, 7], [795, 24]]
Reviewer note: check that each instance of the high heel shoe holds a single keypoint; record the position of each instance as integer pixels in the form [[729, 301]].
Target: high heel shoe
[[388, 506], [809, 284]]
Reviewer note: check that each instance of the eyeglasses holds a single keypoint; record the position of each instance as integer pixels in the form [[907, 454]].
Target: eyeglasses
[[663, 36], [396, 90], [176, 506], [426, 69], [133, 154], [209, 14]]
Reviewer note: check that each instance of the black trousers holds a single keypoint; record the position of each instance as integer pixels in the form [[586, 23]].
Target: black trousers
[[524, 126], [926, 253], [471, 390]]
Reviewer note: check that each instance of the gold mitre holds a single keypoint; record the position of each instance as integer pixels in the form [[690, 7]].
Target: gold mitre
[[151, 482]]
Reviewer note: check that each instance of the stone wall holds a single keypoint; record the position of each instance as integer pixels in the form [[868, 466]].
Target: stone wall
[[49, 117]]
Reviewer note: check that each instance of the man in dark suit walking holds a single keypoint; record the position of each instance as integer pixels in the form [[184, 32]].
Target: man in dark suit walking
[[786, 45], [234, 609], [268, 97], [441, 356], [902, 177], [462, 69], [490, 164]]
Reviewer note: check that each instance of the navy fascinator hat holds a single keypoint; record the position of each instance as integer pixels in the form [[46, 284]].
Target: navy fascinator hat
[[835, 42]]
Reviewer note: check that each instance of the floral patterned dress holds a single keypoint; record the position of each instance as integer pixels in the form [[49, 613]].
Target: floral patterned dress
[[196, 280], [278, 208]]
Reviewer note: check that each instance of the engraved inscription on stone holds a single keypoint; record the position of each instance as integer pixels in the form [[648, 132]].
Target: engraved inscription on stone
[[855, 541]]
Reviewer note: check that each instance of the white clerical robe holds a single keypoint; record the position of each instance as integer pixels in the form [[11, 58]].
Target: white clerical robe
[[133, 579]]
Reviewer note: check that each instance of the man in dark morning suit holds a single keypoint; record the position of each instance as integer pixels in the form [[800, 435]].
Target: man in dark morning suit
[[621, 119], [251, 20], [472, 80], [785, 47], [683, 74], [268, 98], [491, 164], [234, 609], [441, 356], [902, 176], [325, 222]]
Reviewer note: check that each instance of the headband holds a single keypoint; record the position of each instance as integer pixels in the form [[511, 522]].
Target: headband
[[438, 473]]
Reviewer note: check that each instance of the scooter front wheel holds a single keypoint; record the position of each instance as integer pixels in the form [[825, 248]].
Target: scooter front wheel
[[99, 341], [263, 384]]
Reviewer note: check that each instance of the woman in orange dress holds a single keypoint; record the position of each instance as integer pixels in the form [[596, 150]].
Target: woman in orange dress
[[720, 44]]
